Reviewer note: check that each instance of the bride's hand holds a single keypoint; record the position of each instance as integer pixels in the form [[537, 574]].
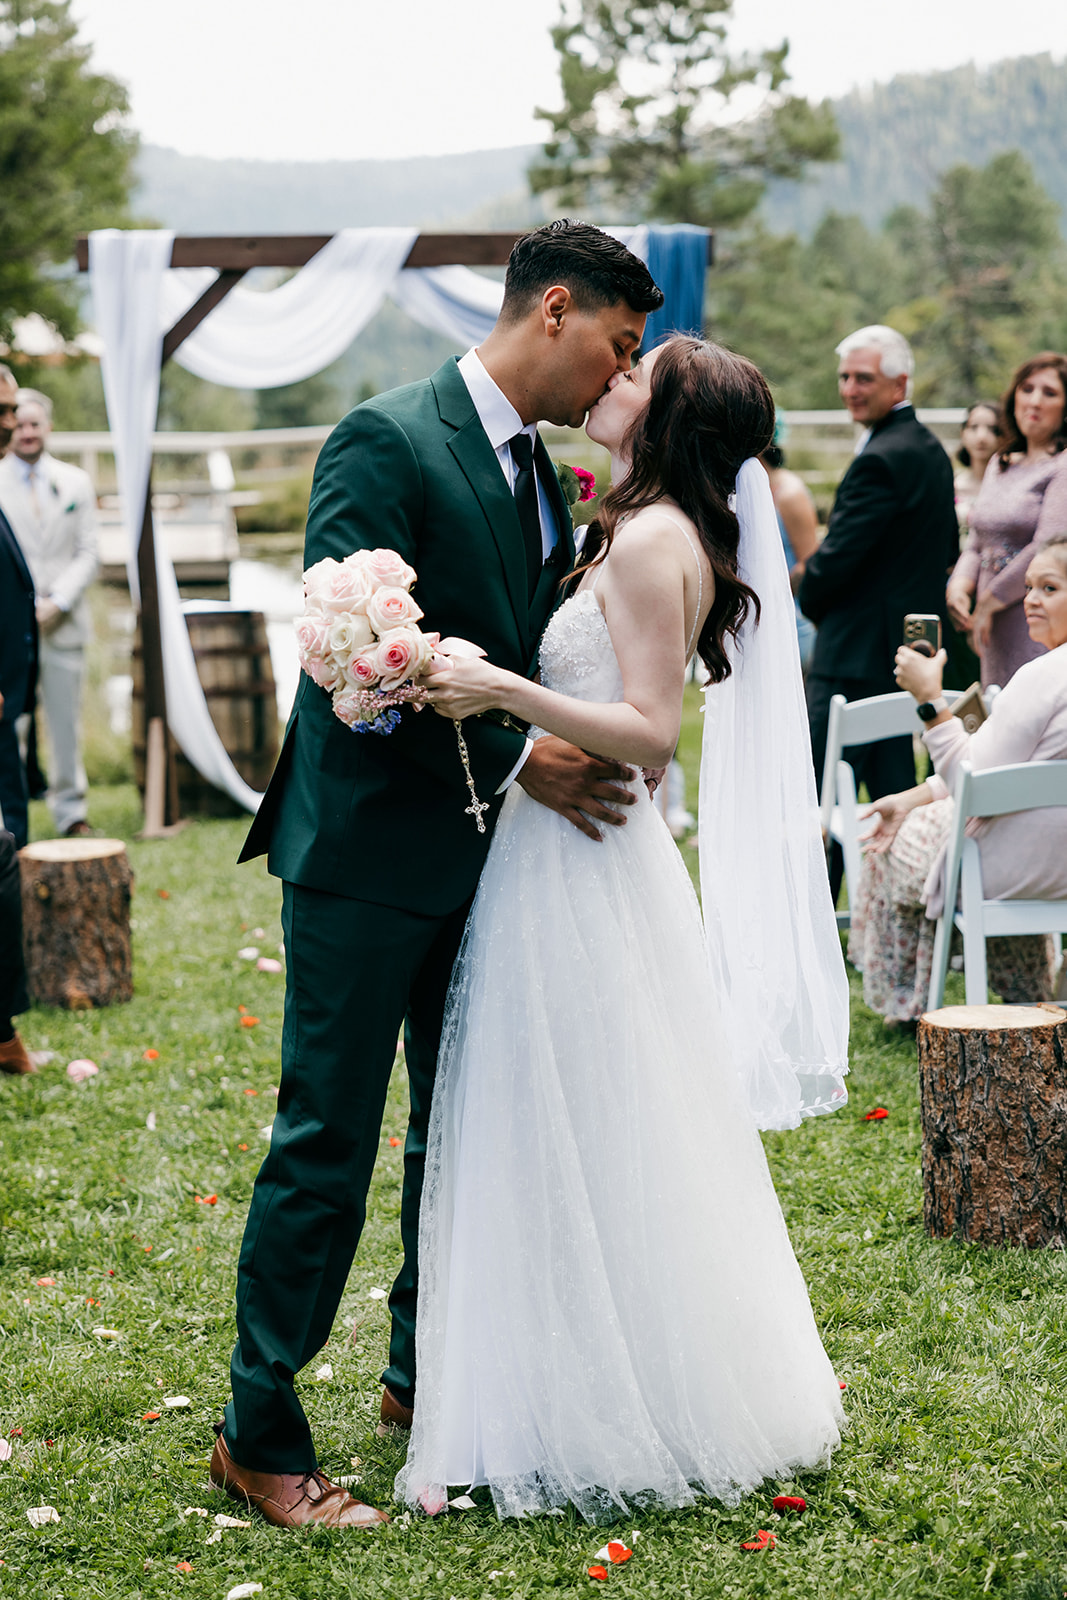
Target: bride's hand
[[462, 686]]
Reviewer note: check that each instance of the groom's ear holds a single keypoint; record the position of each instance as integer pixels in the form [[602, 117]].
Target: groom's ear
[[555, 305]]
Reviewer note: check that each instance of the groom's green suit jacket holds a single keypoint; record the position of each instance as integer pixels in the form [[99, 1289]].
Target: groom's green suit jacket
[[383, 818]]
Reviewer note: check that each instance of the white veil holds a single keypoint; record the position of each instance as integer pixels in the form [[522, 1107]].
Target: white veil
[[772, 934]]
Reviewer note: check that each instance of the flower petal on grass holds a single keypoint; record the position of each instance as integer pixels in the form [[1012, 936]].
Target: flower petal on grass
[[195, 1511], [244, 1591], [5, 1450], [107, 1333], [762, 1541], [46, 1283], [841, 1384], [150, 1122], [175, 1402], [879, 1114], [324, 1373], [37, 1516], [394, 1141], [151, 1416], [618, 1552], [599, 1573], [268, 964], [214, 1538], [249, 1022], [150, 1055], [223, 1521], [78, 1071], [164, 894], [463, 1502], [789, 1502], [249, 953], [378, 1294], [183, 1566]]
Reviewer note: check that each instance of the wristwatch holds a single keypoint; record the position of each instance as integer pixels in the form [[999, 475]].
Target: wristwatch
[[932, 708]]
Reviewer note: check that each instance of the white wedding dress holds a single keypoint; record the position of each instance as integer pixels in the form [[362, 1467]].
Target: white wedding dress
[[610, 1311]]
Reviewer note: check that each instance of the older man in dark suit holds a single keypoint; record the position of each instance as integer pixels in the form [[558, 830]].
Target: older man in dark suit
[[891, 538]]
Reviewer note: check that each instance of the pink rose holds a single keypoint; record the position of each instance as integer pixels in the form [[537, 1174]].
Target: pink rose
[[362, 670], [388, 568], [349, 707], [586, 484], [314, 653], [331, 587], [402, 653], [391, 608]]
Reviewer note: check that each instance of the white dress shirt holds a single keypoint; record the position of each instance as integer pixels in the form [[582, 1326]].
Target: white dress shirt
[[502, 422]]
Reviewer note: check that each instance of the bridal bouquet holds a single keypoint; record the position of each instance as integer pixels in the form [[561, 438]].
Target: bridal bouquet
[[359, 639]]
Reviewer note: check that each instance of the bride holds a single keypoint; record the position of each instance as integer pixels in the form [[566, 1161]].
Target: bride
[[610, 1313]]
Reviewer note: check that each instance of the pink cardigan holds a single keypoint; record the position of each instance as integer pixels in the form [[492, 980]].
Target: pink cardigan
[[1024, 854]]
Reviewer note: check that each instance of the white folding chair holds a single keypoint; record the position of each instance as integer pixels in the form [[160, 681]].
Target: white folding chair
[[1027, 786], [882, 716]]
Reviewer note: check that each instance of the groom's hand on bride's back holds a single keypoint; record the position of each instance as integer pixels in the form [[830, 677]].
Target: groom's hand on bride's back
[[578, 786]]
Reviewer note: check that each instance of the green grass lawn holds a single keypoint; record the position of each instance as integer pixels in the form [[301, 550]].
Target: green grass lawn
[[951, 1481]]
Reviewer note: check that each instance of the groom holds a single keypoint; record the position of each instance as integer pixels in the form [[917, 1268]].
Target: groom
[[378, 855]]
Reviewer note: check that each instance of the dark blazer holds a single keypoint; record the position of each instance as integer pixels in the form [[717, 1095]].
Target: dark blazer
[[384, 818], [891, 538], [18, 627]]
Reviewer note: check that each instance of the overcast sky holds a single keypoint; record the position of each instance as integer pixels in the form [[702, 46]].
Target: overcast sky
[[315, 79]]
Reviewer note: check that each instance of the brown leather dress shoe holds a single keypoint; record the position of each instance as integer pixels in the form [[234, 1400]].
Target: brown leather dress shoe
[[394, 1416], [290, 1499], [14, 1057]]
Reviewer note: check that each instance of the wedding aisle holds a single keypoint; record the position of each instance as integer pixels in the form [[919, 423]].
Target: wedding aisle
[[123, 1200]]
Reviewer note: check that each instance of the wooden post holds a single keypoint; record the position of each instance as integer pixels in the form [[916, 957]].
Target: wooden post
[[993, 1081]]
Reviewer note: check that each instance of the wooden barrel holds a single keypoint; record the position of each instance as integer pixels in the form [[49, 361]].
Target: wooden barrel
[[233, 663]]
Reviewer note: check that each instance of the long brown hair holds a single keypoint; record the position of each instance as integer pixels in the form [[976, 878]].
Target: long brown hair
[[1014, 441], [708, 411]]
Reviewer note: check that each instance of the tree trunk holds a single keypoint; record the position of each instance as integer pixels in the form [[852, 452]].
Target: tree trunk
[[76, 922], [994, 1117]]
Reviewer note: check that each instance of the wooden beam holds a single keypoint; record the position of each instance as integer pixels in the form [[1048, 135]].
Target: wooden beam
[[212, 296], [295, 250]]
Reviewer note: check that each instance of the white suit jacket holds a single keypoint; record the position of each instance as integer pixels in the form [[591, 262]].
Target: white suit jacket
[[60, 548]]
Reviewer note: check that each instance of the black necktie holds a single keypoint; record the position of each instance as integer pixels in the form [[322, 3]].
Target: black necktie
[[526, 506]]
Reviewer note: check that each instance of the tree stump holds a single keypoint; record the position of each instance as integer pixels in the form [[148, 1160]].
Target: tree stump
[[994, 1120], [76, 922]]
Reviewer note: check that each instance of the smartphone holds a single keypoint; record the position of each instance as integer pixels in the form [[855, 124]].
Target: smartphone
[[922, 632]]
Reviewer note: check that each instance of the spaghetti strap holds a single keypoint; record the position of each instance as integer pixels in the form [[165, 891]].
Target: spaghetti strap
[[684, 531]]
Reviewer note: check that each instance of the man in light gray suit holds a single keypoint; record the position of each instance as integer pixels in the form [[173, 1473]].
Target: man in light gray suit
[[52, 508]]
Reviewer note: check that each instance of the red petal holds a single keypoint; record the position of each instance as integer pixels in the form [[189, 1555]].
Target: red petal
[[164, 894], [242, 1147], [618, 1551], [184, 1566], [151, 1416], [249, 1022], [111, 1272], [600, 1573], [394, 1141], [211, 1199], [16, 1433], [251, 1091], [789, 1502], [877, 1115], [762, 1541], [46, 1283], [151, 1055], [841, 1384]]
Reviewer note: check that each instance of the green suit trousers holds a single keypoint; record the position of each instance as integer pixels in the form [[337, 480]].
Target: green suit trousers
[[355, 971]]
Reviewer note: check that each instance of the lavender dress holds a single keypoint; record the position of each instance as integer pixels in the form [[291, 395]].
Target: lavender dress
[[1015, 511]]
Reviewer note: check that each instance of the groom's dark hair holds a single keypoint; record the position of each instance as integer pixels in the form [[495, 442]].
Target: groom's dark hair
[[597, 269]]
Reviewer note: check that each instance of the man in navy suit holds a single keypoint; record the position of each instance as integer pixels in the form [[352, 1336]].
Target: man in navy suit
[[18, 673], [18, 643]]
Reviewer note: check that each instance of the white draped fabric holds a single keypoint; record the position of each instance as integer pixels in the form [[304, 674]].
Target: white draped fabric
[[250, 341], [769, 921]]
